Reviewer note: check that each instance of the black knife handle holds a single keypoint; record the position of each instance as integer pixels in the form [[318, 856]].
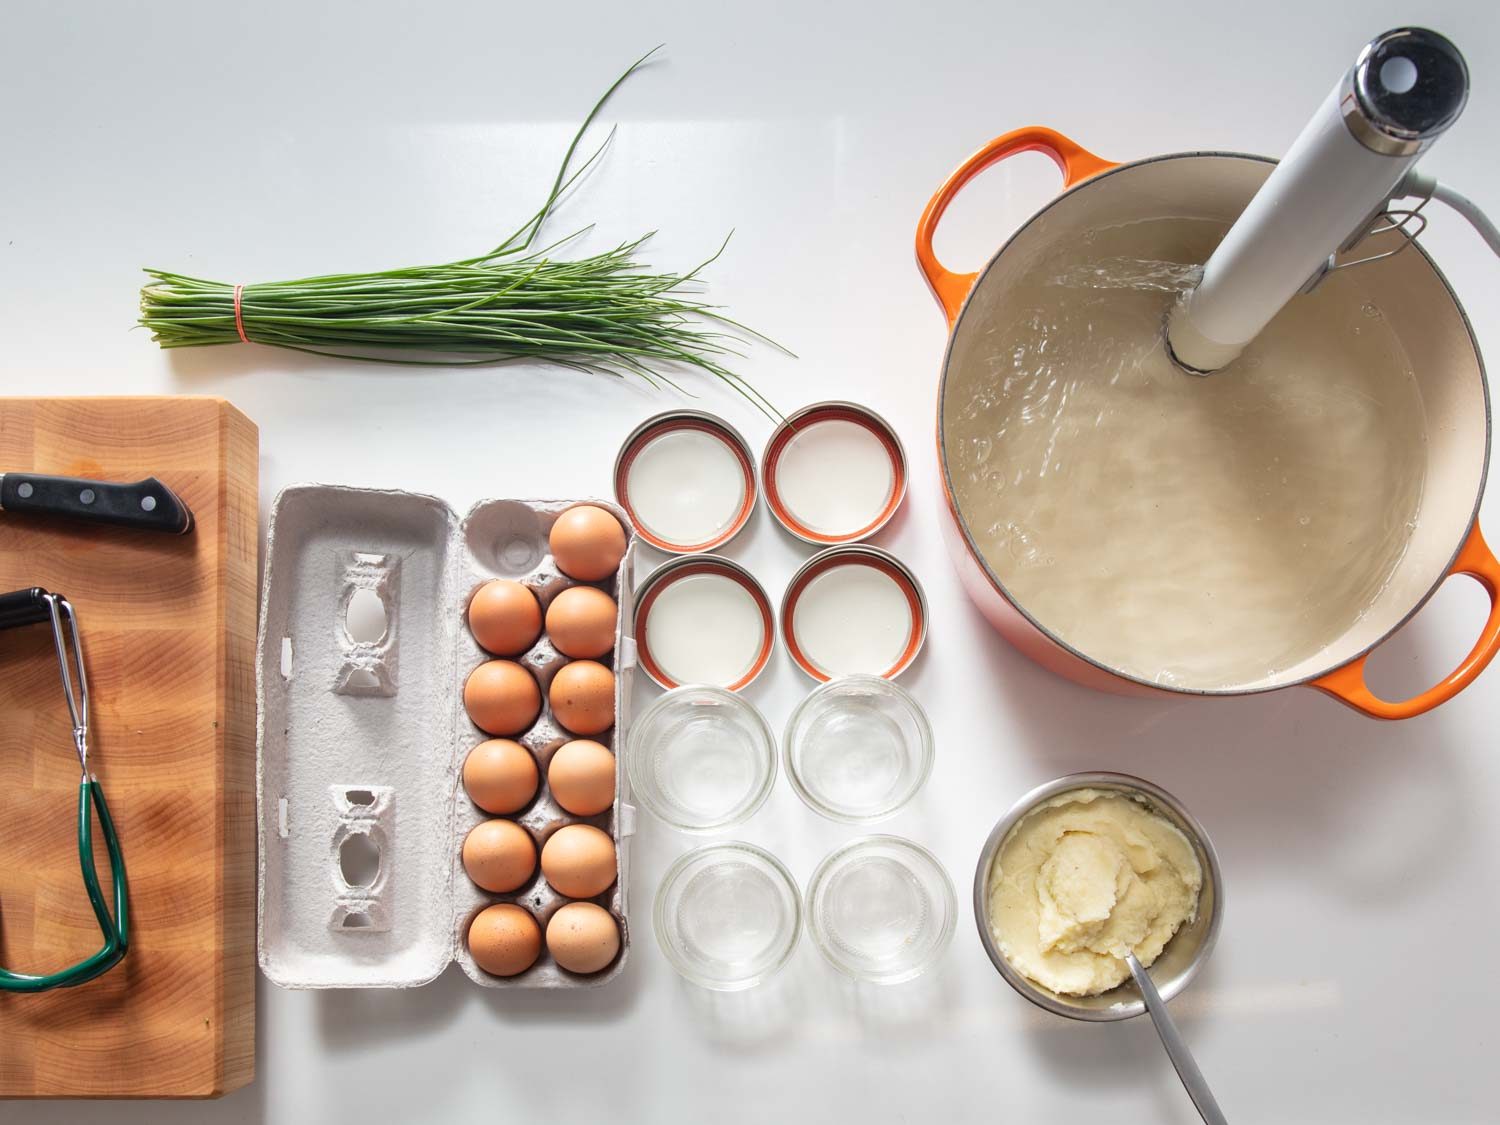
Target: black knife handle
[[146, 504], [23, 607]]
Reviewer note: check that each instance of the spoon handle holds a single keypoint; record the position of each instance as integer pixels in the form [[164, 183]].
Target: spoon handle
[[1177, 1050]]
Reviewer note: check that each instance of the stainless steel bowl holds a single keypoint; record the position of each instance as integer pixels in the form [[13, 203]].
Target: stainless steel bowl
[[1184, 954]]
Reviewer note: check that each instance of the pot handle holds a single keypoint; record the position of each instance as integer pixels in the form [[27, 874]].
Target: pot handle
[[1073, 161], [1347, 684]]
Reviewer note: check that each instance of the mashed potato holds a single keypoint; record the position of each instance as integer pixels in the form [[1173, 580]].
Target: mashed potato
[[1082, 879]]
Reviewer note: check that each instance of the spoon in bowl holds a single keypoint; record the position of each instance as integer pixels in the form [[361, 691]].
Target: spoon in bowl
[[1177, 1050]]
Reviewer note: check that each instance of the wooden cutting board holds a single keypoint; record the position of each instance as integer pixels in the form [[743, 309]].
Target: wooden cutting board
[[168, 630]]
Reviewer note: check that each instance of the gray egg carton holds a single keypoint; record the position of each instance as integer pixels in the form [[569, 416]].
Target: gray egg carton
[[362, 734]]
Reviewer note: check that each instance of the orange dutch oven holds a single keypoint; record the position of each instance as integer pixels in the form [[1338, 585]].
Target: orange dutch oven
[[1421, 308]]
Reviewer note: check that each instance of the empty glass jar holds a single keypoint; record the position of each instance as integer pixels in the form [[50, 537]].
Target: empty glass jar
[[858, 748], [701, 758], [881, 909], [727, 916]]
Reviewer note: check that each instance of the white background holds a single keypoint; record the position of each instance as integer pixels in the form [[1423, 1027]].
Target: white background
[[1355, 980]]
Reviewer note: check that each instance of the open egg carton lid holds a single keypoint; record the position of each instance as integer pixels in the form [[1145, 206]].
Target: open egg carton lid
[[362, 734]]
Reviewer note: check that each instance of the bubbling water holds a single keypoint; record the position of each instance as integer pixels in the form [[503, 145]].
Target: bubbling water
[[1122, 272], [1205, 533]]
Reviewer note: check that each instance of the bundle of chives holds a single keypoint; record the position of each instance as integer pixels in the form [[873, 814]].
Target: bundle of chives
[[607, 312]]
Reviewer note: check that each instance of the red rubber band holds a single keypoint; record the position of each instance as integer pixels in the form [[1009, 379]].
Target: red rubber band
[[239, 320]]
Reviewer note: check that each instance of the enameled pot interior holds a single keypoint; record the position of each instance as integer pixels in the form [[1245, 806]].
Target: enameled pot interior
[[1417, 303]]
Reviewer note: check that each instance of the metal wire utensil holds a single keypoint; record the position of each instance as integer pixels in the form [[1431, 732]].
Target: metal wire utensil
[[33, 607]]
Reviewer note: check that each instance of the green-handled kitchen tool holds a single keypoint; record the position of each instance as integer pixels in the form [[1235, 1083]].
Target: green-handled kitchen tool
[[33, 607]]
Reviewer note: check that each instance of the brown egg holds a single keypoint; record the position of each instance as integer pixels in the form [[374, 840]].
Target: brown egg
[[499, 855], [505, 617], [582, 777], [583, 697], [504, 939], [579, 861], [587, 543], [583, 937], [581, 622], [500, 776], [502, 697]]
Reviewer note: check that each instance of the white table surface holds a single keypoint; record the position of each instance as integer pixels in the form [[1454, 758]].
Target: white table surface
[[1355, 980]]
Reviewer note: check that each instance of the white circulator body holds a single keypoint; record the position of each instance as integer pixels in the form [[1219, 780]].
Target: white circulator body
[[1319, 200]]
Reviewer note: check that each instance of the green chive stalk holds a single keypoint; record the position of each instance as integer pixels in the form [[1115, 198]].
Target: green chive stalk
[[607, 313]]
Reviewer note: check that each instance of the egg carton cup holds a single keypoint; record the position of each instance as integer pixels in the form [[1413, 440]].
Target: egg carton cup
[[360, 802]]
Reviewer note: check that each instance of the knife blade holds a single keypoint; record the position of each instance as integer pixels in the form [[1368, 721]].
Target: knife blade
[[145, 504]]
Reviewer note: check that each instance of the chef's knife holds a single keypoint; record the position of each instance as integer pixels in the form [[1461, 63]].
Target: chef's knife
[[146, 504]]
